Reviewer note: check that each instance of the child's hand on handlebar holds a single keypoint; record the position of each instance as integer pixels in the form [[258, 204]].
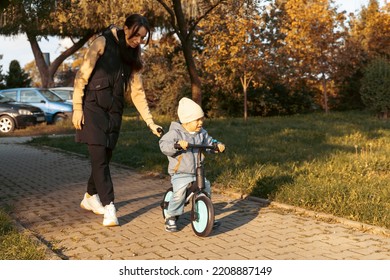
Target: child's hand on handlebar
[[221, 147], [183, 144]]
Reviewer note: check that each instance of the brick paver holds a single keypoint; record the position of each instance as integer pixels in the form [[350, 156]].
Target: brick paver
[[45, 186]]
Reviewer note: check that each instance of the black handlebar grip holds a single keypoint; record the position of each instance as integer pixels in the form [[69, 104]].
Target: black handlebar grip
[[160, 130]]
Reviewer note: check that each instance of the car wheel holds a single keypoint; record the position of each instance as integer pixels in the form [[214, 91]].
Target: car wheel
[[7, 124], [59, 118]]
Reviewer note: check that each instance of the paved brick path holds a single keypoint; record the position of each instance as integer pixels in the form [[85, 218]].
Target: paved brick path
[[45, 188]]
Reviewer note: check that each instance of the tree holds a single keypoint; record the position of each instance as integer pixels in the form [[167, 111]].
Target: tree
[[16, 77], [237, 50], [184, 19], [314, 36], [32, 70], [82, 19], [372, 29], [65, 76], [39, 19], [368, 38], [166, 76], [78, 20], [348, 72]]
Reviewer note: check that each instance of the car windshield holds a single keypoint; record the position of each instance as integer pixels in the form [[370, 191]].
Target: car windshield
[[63, 94], [51, 96], [4, 99]]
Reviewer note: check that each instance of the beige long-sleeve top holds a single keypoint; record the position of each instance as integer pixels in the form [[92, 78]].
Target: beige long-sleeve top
[[136, 89]]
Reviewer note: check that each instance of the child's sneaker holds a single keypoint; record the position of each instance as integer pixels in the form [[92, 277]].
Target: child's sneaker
[[170, 224]]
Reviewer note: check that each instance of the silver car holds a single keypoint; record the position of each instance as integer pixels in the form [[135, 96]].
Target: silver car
[[65, 93]]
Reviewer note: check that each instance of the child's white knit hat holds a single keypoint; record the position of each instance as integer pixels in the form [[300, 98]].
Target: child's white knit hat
[[189, 110]]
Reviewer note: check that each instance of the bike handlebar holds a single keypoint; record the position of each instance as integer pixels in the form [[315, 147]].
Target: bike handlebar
[[197, 146], [161, 131], [214, 146]]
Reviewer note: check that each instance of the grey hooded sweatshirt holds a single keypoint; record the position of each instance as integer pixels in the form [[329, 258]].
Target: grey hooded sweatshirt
[[182, 161]]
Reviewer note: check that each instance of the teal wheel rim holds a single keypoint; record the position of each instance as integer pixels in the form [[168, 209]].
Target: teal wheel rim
[[202, 216]]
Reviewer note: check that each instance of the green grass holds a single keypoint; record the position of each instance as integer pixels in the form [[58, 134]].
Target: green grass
[[15, 245]]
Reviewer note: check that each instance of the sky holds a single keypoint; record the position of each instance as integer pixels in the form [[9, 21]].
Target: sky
[[18, 48]]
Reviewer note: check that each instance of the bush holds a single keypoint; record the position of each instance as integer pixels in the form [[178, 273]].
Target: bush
[[375, 90]]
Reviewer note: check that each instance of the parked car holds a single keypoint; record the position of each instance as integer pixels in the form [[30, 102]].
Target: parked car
[[16, 115], [55, 108], [65, 93]]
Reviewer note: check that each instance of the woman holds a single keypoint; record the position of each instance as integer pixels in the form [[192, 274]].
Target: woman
[[110, 68]]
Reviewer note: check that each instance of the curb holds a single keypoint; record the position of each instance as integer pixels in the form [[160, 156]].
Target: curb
[[363, 227], [50, 254]]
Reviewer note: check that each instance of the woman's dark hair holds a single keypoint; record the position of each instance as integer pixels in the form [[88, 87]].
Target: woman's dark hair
[[129, 55], [137, 21]]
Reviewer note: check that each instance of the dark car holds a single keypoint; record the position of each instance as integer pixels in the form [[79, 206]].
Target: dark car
[[16, 115]]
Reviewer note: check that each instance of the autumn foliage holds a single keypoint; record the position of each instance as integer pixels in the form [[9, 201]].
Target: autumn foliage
[[237, 58]]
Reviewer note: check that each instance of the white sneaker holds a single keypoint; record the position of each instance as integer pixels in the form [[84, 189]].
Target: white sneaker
[[92, 203], [110, 219]]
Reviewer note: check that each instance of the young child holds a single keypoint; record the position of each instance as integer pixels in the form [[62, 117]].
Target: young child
[[182, 163]]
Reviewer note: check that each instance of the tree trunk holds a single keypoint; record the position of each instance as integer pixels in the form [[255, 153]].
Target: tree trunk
[[244, 88], [184, 30], [245, 105], [196, 86], [185, 36], [325, 94], [245, 81], [47, 72], [43, 68]]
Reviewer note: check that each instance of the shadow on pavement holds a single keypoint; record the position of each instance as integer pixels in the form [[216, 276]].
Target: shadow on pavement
[[232, 215], [140, 211]]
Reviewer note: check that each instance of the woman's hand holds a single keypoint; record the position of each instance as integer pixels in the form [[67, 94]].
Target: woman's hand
[[78, 119], [156, 129]]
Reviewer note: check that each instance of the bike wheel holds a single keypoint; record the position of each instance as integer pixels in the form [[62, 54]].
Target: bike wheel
[[203, 216], [164, 204]]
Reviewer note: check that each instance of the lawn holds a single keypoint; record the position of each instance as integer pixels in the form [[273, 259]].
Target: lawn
[[15, 245]]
